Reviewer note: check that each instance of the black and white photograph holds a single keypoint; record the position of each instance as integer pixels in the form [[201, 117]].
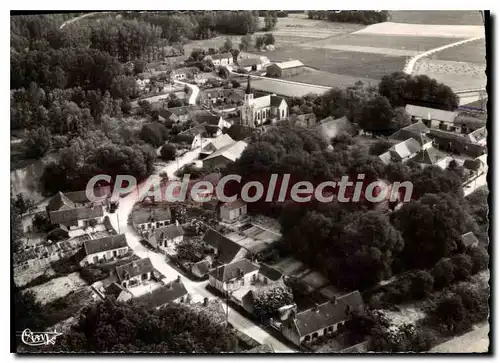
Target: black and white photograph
[[211, 182]]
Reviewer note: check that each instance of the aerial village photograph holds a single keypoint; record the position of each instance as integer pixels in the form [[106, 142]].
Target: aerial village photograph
[[249, 181]]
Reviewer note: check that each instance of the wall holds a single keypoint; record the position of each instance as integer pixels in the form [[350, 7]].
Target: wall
[[103, 256]]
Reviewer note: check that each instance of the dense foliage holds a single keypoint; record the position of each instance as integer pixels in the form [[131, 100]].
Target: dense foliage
[[112, 326], [401, 89], [268, 301], [366, 17]]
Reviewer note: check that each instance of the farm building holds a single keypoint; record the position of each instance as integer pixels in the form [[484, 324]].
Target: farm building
[[222, 59], [184, 73], [146, 218], [417, 131], [230, 212], [251, 64], [163, 237], [225, 156], [171, 292], [285, 69], [216, 144], [401, 152], [104, 249]]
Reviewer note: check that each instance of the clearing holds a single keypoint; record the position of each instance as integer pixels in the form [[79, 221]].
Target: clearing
[[57, 288]]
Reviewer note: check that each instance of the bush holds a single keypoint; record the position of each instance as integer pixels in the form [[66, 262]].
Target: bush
[[462, 266], [154, 134], [422, 284], [443, 273], [168, 152], [480, 259]]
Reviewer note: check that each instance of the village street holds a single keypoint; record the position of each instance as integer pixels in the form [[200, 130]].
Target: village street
[[196, 289]]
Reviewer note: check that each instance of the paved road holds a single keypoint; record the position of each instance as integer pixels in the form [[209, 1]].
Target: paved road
[[195, 91], [476, 341], [196, 289]]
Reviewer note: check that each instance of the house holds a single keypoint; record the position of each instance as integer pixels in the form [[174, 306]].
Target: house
[[469, 240], [225, 156], [221, 59], [285, 69], [230, 212], [71, 200], [202, 78], [306, 120], [417, 131], [267, 274], [250, 64], [179, 114], [216, 144], [201, 268], [327, 318], [171, 292], [429, 156], [184, 73], [131, 274], [431, 117], [476, 166], [195, 134], [146, 218], [77, 217], [456, 143], [330, 127], [466, 124], [163, 237], [401, 152], [104, 249], [214, 124], [261, 349], [256, 111], [232, 276], [478, 136], [222, 95], [224, 249]]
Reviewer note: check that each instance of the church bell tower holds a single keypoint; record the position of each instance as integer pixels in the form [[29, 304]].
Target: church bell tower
[[247, 109]]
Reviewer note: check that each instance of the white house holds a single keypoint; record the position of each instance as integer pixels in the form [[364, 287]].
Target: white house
[[104, 249], [230, 212], [146, 218], [164, 237], [133, 273], [75, 218], [222, 59], [231, 277]]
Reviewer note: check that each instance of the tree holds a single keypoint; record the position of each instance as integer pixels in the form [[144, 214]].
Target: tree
[[422, 284], [462, 266], [401, 89], [245, 42], [431, 228], [27, 313], [269, 39], [451, 312], [228, 45], [377, 115], [23, 205], [380, 147], [168, 152], [401, 118], [259, 42], [154, 134], [270, 21], [267, 302], [479, 258], [139, 67], [41, 223], [37, 142], [144, 107], [443, 273]]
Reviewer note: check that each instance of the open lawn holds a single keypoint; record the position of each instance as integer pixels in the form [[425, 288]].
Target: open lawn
[[451, 17], [473, 52], [57, 288], [361, 65], [412, 44]]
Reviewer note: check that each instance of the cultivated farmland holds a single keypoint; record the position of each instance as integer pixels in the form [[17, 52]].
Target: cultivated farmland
[[474, 52], [461, 17], [329, 79], [284, 89], [361, 65]]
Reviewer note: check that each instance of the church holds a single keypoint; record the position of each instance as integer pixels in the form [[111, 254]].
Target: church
[[255, 111]]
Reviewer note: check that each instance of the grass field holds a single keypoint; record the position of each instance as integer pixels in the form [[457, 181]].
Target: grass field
[[329, 79], [473, 52], [361, 65], [451, 17], [58, 288]]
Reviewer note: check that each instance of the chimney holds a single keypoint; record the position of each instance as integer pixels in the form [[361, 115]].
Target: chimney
[[205, 301], [178, 279], [316, 308]]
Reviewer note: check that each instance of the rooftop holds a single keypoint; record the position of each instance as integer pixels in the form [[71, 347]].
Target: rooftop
[[233, 270], [428, 113], [135, 268], [163, 295], [227, 249], [76, 214], [234, 205], [289, 64], [170, 231], [469, 239], [151, 214], [230, 152], [104, 244]]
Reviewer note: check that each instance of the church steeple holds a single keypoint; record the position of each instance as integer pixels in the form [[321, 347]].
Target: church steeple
[[249, 89]]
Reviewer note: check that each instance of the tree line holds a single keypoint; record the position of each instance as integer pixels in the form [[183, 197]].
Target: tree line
[[365, 17]]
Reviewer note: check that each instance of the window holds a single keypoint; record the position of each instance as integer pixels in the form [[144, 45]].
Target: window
[[282, 113], [115, 253], [325, 331], [315, 335], [145, 276]]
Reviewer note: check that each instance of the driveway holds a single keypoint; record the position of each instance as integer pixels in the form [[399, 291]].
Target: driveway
[[196, 289]]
